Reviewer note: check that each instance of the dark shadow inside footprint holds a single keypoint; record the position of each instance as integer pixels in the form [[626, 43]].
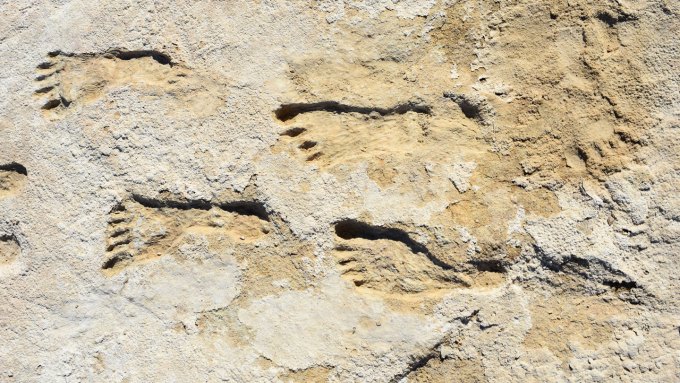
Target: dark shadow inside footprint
[[159, 57], [253, 208], [14, 167], [351, 229], [289, 111]]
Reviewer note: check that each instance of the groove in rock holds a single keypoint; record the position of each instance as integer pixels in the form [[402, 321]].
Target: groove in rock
[[119, 53], [51, 104], [121, 242], [45, 65], [620, 285], [179, 205], [294, 132], [253, 208], [488, 265], [289, 111], [113, 261], [159, 57], [612, 20], [590, 270], [307, 145], [44, 89]]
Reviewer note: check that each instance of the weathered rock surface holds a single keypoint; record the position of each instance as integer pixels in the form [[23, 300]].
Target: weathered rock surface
[[340, 190]]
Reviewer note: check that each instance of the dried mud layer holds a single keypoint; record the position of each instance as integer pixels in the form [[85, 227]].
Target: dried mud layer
[[340, 191]]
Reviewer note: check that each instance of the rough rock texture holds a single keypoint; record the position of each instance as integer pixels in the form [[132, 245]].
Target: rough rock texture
[[340, 190]]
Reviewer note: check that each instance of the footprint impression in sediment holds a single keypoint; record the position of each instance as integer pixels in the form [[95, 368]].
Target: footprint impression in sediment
[[474, 242], [385, 260], [142, 229], [349, 132], [9, 250], [12, 178], [65, 80]]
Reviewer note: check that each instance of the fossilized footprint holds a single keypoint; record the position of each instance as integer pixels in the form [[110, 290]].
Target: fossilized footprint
[[387, 260], [330, 133], [9, 250], [67, 79], [143, 229], [12, 177]]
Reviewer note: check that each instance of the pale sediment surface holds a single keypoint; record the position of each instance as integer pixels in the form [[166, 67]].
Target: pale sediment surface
[[340, 191]]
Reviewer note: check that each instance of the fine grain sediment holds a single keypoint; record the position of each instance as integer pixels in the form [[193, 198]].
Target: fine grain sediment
[[340, 191]]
